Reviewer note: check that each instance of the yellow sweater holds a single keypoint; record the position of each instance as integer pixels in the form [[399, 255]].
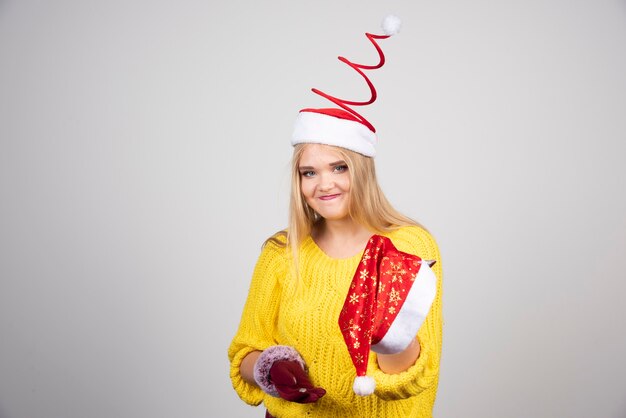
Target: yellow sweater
[[305, 317]]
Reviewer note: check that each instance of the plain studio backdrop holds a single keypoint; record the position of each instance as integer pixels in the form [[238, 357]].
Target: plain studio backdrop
[[144, 154]]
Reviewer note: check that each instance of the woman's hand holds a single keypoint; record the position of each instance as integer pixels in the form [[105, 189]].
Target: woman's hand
[[399, 362], [280, 371], [292, 382]]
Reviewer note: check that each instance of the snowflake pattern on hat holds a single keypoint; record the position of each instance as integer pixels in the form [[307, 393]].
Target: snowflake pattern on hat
[[384, 307]]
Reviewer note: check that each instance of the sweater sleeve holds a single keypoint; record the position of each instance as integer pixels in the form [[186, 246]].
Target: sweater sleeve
[[257, 326], [423, 375]]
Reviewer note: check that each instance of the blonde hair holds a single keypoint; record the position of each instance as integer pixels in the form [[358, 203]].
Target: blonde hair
[[368, 205]]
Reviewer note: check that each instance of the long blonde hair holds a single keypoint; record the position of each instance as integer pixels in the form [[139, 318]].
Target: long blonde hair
[[368, 204]]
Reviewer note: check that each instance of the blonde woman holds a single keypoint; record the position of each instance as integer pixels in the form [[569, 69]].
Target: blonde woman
[[289, 352]]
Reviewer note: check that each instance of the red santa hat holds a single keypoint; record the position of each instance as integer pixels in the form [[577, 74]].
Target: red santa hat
[[389, 297], [343, 126]]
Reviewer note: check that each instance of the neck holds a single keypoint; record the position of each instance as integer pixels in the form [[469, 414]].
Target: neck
[[343, 229], [342, 238]]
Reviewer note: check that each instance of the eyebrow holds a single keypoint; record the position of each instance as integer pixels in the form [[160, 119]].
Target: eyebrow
[[336, 163]]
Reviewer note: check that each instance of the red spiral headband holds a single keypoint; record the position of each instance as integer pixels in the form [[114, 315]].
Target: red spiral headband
[[343, 126], [344, 104]]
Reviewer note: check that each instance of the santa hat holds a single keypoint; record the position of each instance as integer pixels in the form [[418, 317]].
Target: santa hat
[[343, 126], [389, 297]]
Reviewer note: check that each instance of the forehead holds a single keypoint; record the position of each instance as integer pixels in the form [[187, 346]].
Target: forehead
[[315, 154]]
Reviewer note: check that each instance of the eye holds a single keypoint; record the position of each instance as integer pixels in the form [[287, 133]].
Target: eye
[[308, 173], [341, 168]]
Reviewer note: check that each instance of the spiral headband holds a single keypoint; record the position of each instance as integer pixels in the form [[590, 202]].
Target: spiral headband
[[344, 126]]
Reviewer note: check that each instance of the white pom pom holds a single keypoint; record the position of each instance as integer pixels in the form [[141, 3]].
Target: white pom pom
[[391, 24], [364, 385]]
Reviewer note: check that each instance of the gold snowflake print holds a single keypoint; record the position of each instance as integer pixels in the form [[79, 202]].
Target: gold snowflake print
[[394, 296], [354, 298]]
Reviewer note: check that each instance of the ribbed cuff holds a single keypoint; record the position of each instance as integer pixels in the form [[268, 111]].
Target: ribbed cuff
[[265, 361]]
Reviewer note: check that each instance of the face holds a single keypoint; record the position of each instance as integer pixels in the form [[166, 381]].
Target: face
[[325, 181]]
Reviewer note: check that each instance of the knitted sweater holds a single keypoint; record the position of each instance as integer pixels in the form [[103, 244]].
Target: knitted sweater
[[304, 316]]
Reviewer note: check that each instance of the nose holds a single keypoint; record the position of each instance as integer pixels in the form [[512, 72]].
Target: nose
[[326, 183]]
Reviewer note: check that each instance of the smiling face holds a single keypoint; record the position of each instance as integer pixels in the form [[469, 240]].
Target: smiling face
[[325, 181]]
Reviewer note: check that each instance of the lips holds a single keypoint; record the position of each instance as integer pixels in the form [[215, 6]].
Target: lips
[[329, 196]]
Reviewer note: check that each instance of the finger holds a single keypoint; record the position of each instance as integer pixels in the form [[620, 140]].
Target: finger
[[319, 392], [291, 393], [300, 394], [312, 395]]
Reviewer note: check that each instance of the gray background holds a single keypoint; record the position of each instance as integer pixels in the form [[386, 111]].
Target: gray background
[[143, 160]]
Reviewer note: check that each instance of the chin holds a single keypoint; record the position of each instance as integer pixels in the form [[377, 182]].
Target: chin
[[334, 216]]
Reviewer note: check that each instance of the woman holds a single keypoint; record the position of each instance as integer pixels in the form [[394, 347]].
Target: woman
[[289, 351]]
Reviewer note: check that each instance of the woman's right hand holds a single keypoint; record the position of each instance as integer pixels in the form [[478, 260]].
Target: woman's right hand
[[280, 371], [293, 384]]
